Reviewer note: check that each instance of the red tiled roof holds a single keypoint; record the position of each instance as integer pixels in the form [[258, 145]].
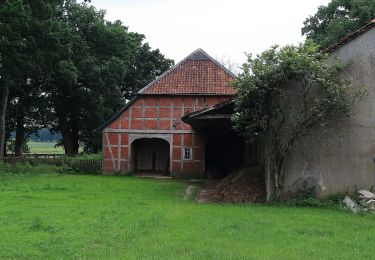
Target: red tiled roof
[[350, 37], [197, 74]]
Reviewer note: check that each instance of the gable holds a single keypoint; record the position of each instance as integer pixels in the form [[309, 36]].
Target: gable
[[197, 74]]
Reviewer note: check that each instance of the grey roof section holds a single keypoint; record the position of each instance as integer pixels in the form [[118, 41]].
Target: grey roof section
[[198, 54]]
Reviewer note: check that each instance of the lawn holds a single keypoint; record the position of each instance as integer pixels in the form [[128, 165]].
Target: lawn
[[97, 217], [46, 147]]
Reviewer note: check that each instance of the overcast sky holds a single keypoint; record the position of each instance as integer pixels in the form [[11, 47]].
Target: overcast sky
[[222, 28]]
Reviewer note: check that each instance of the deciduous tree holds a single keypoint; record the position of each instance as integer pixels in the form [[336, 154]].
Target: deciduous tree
[[338, 18], [14, 61]]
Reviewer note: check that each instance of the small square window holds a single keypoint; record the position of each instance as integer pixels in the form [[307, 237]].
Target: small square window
[[187, 153]]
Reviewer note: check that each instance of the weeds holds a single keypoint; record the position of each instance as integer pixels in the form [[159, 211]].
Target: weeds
[[26, 169]]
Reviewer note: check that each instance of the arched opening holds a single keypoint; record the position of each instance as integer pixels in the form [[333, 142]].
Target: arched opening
[[151, 155]]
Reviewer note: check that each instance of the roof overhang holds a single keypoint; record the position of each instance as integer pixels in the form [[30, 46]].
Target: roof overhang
[[216, 118]]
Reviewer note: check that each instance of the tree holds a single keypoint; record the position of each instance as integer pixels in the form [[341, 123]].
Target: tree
[[338, 18], [65, 68], [283, 94], [106, 64], [228, 63], [145, 66], [14, 41], [25, 27], [26, 112]]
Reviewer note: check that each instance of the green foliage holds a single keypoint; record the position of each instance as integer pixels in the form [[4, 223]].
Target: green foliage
[[68, 69], [338, 18], [87, 156], [72, 165], [306, 199], [284, 93], [11, 147], [99, 74], [63, 165], [51, 216], [8, 170]]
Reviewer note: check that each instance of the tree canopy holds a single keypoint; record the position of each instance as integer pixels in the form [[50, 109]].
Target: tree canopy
[[338, 18], [65, 68], [283, 94]]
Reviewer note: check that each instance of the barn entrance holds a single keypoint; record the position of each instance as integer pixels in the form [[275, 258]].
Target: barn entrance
[[151, 155], [224, 153]]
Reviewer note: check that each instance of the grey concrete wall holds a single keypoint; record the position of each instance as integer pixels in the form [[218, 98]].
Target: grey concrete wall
[[341, 158]]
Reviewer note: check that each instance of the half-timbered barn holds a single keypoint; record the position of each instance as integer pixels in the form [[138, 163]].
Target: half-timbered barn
[[149, 135]]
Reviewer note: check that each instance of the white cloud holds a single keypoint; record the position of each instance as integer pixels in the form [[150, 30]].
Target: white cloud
[[220, 27]]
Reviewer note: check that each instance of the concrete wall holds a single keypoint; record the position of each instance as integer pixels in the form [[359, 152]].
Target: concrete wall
[[152, 116], [341, 159]]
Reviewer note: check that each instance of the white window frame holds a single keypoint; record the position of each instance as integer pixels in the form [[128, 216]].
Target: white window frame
[[183, 153]]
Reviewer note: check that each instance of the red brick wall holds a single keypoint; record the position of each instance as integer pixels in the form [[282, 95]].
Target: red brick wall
[[162, 114]]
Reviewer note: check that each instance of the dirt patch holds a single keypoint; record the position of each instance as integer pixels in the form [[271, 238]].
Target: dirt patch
[[208, 192], [244, 185]]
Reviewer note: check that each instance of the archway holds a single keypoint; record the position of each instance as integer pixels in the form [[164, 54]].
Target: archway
[[151, 155]]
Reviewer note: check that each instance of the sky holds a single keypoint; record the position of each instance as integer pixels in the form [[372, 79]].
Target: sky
[[224, 29]]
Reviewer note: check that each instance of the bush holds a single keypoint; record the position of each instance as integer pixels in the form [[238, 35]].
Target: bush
[[67, 165], [20, 170], [75, 166], [11, 147], [334, 201]]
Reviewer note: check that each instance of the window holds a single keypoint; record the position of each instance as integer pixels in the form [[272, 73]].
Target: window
[[187, 153]]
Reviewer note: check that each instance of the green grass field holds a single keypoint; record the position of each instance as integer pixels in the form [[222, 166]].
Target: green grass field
[[97, 217], [44, 147]]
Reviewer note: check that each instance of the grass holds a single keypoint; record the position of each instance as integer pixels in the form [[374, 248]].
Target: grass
[[49, 147], [44, 147], [56, 216]]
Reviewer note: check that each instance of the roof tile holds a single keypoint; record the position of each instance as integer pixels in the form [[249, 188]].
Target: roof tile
[[197, 74]]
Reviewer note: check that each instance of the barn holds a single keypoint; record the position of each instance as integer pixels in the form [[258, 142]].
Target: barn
[[161, 131]]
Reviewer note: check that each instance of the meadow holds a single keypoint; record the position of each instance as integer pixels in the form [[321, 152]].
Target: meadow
[[48, 215], [44, 147]]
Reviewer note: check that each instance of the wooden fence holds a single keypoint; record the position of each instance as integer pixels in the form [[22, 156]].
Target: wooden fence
[[93, 166], [38, 155]]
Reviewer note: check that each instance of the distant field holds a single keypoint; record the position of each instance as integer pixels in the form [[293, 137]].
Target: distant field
[[44, 147]]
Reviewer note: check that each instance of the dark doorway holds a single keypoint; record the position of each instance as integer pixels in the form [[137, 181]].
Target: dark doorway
[[224, 153], [151, 155]]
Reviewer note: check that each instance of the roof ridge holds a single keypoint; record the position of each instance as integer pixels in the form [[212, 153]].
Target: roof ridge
[[192, 56], [350, 36]]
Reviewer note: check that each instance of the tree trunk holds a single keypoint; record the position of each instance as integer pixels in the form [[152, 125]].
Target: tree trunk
[[75, 140], [4, 92], [269, 169], [68, 142], [69, 137], [20, 135]]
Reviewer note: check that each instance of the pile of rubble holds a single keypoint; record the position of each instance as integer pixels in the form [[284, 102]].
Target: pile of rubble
[[366, 202], [243, 185]]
